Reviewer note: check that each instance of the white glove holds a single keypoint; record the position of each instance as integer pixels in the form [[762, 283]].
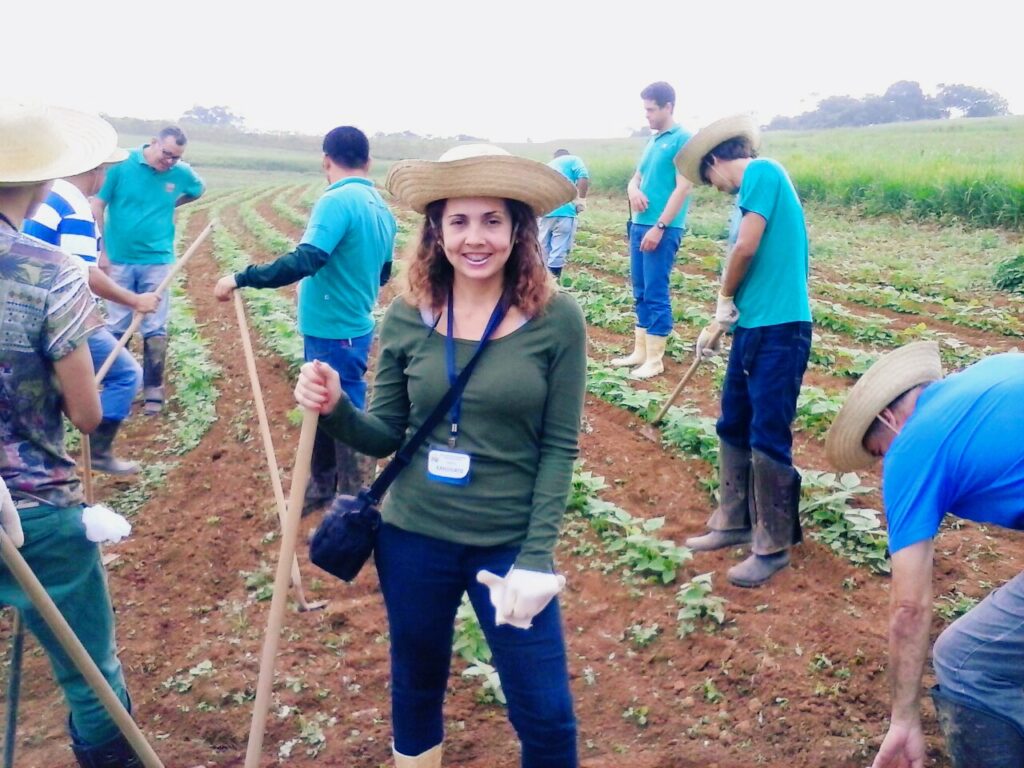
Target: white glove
[[102, 524], [726, 313], [581, 204], [9, 519], [520, 595], [705, 349]]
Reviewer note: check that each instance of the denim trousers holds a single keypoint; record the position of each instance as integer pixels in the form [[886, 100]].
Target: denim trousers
[[649, 272], [334, 467], [979, 658], [139, 278], [557, 235], [423, 580], [68, 565], [123, 380], [762, 382]]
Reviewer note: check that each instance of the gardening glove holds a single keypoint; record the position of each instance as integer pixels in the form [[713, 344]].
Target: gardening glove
[[520, 594], [581, 204], [726, 313], [102, 524], [9, 519], [707, 344]]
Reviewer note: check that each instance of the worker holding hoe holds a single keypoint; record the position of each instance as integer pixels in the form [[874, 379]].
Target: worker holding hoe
[[953, 444], [763, 300]]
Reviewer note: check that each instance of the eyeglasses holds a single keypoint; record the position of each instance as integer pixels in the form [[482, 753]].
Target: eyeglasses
[[170, 156]]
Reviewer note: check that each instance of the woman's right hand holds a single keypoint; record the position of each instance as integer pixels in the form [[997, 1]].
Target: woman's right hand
[[318, 387]]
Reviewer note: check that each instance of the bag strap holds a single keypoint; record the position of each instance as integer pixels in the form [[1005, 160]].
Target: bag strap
[[405, 454]]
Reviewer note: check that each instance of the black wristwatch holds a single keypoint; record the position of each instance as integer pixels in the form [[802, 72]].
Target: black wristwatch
[[660, 225]]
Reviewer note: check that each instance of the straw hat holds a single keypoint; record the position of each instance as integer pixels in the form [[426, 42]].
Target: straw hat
[[689, 158], [479, 170], [39, 143], [890, 376], [116, 156]]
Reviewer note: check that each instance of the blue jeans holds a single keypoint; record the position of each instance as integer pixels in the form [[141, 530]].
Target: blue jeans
[[557, 235], [139, 278], [649, 272], [980, 657], [334, 467], [423, 580], [762, 381], [68, 566], [123, 380]]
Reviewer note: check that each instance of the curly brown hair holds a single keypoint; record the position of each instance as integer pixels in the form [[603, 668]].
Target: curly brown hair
[[527, 283]]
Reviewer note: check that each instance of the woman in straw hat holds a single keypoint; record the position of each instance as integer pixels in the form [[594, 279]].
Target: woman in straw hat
[[478, 510], [763, 301], [48, 316], [949, 445]]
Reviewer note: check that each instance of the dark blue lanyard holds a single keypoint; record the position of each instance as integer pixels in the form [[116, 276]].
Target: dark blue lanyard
[[449, 353]]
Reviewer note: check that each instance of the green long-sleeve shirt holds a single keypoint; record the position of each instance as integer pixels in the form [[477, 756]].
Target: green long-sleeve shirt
[[520, 423]]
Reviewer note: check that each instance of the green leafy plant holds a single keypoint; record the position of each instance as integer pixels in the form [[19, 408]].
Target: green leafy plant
[[698, 606]]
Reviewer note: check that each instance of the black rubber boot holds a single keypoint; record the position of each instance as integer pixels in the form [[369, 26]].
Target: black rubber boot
[[154, 357], [729, 524], [114, 753], [556, 271], [101, 444], [775, 507], [975, 738]]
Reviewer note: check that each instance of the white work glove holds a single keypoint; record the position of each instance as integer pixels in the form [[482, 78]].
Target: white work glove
[[520, 595], [102, 524], [705, 348], [10, 521], [581, 204], [726, 313]]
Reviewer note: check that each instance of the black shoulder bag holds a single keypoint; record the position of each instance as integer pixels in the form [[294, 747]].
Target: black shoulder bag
[[345, 539]]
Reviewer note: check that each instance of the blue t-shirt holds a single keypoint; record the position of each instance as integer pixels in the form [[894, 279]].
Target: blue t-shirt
[[961, 451], [573, 169], [774, 290], [658, 176], [352, 223]]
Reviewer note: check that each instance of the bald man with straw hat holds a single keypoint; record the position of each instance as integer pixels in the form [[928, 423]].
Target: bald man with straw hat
[[949, 445], [763, 301], [47, 372]]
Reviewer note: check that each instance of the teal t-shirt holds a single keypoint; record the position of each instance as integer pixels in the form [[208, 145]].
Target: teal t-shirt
[[139, 220], [573, 169], [352, 223], [658, 176], [774, 290]]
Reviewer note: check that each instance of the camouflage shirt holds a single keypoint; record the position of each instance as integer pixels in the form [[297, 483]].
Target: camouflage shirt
[[46, 311]]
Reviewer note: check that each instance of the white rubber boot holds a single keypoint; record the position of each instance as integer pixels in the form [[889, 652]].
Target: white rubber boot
[[653, 365], [639, 354], [429, 759]]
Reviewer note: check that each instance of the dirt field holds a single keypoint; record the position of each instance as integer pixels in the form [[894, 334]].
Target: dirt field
[[795, 677]]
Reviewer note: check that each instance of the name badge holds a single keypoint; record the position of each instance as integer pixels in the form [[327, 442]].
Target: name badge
[[446, 465]]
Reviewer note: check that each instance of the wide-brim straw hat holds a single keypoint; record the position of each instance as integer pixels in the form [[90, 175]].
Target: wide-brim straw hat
[[479, 170], [40, 143], [689, 158], [890, 376], [118, 155]]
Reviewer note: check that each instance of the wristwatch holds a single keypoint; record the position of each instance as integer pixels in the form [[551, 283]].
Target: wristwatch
[[660, 225]]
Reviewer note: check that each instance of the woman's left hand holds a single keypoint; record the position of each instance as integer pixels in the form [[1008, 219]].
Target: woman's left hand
[[318, 387], [520, 595]]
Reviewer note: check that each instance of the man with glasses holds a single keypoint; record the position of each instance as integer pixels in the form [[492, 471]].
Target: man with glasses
[[135, 212]]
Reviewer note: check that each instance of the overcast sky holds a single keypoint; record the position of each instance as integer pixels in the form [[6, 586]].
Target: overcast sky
[[502, 70]]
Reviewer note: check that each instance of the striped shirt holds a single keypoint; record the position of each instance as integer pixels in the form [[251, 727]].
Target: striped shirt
[[65, 220]]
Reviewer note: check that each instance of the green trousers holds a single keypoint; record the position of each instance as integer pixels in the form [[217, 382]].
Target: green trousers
[[68, 565]]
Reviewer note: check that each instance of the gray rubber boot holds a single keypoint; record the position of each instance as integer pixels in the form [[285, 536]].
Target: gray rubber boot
[[729, 524], [775, 506], [976, 738], [101, 445], [154, 357]]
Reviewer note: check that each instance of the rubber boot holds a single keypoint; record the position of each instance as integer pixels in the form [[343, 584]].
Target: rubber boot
[[429, 759], [154, 356], [774, 506], [101, 443], [976, 738], [653, 365], [729, 524], [323, 474], [557, 272], [639, 353], [114, 753]]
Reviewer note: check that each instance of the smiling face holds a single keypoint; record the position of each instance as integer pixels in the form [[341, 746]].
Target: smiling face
[[476, 236], [163, 154]]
